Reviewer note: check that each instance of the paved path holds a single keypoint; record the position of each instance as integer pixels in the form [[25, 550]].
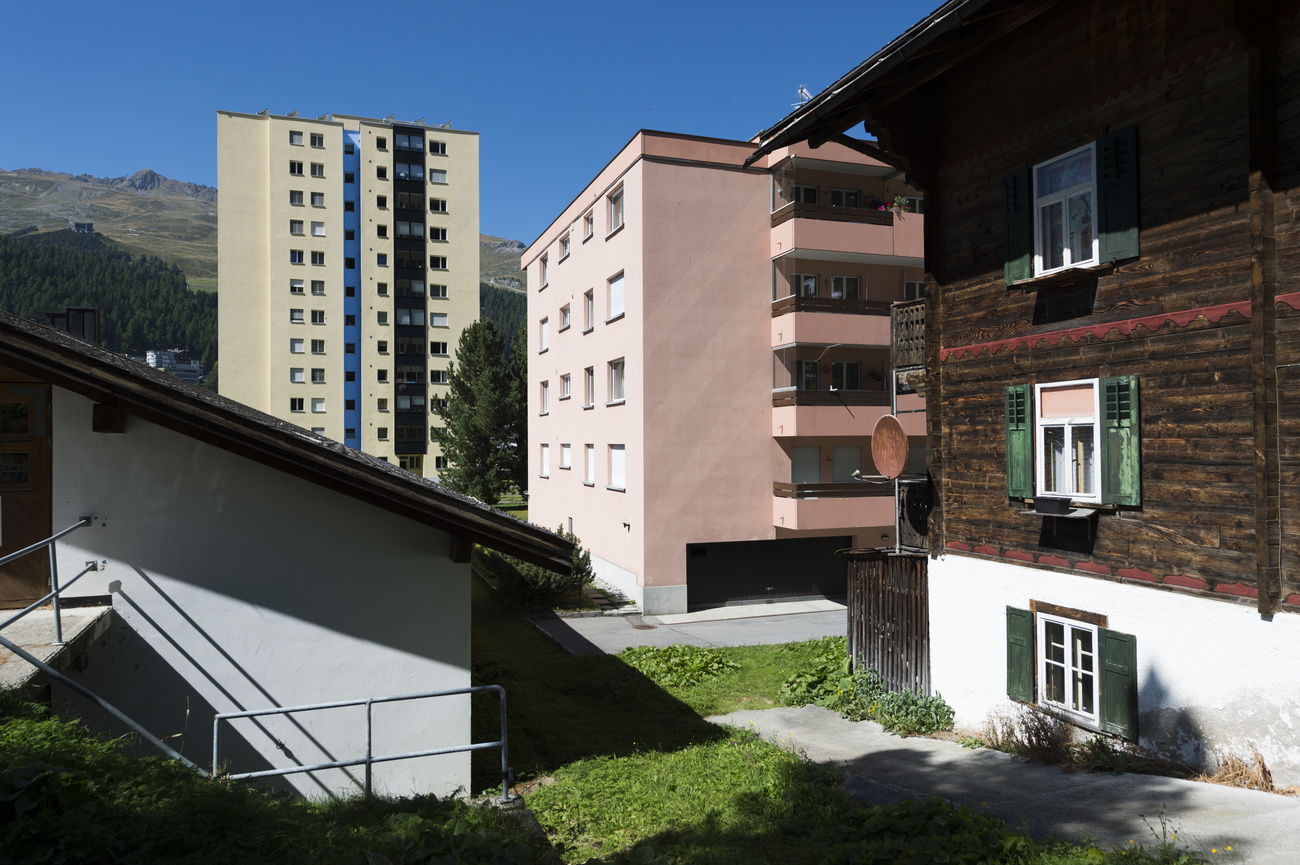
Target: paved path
[[1262, 828], [751, 625]]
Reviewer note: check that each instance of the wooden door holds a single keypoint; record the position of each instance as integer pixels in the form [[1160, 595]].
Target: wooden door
[[25, 502]]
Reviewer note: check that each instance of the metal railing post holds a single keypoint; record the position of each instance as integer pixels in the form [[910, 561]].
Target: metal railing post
[[370, 754], [54, 587], [505, 762]]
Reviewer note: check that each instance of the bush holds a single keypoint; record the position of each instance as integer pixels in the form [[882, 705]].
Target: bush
[[678, 665], [521, 583], [831, 682]]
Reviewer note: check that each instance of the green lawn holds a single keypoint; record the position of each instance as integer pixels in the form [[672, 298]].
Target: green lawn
[[202, 284]]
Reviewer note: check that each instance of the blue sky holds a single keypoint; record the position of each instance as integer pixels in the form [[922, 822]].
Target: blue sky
[[553, 89]]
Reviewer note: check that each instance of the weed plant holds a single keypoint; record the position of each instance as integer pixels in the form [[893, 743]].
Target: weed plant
[[857, 695], [678, 665], [67, 796]]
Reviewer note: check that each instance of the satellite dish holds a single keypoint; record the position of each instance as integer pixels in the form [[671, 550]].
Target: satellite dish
[[889, 446]]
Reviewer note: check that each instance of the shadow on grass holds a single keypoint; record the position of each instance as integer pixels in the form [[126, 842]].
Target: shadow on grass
[[562, 708]]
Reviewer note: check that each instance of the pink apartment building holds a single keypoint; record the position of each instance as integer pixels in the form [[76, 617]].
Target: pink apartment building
[[709, 353]]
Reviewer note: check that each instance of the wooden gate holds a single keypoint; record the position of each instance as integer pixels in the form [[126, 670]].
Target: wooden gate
[[889, 619]]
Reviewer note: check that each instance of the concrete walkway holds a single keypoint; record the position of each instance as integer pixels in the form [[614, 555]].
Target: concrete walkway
[[749, 625], [1261, 828]]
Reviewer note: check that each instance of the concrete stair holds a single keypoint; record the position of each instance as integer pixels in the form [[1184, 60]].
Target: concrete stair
[[34, 633]]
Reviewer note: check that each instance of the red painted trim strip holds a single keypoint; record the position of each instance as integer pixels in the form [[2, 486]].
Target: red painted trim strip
[[1054, 561], [1092, 567], [1018, 556], [986, 551], [1213, 314], [1292, 300], [1237, 589], [957, 545], [1137, 574], [1185, 581], [1293, 600]]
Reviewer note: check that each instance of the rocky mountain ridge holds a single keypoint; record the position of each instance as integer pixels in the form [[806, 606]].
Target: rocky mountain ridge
[[146, 181]]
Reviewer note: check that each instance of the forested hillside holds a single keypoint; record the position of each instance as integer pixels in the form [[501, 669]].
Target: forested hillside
[[143, 302], [506, 309]]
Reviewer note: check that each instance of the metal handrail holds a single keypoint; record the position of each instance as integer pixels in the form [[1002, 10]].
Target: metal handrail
[[370, 758], [53, 596]]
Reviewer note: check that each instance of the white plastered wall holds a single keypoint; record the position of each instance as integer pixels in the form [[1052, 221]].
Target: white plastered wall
[[241, 587], [1211, 674]]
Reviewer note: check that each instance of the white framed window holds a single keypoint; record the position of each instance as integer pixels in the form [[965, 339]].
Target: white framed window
[[617, 468], [1068, 675], [318, 229], [616, 299], [437, 175], [846, 288], [543, 340], [295, 138], [318, 346], [438, 148], [438, 349], [804, 194], [565, 386], [437, 262], [588, 225], [588, 311], [295, 316], [318, 316], [434, 290], [318, 199], [846, 198], [295, 197], [317, 140], [318, 404], [295, 286], [382, 434], [437, 319], [913, 289], [295, 256], [806, 375], [565, 318], [615, 200], [545, 462], [295, 168], [438, 205], [805, 284], [617, 390], [545, 270], [589, 387], [544, 398], [318, 287], [295, 346], [566, 455], [317, 169], [438, 234], [564, 247], [846, 375], [437, 376], [295, 226], [589, 465], [317, 376], [296, 404], [1065, 190], [1065, 419], [318, 258], [295, 375]]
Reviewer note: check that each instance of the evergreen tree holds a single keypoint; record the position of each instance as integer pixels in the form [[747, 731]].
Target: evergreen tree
[[475, 440], [516, 397]]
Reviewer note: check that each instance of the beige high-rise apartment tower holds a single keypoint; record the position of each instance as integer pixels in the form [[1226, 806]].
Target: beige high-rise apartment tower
[[348, 259]]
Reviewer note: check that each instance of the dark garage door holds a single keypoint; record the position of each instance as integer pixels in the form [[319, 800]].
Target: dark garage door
[[755, 572]]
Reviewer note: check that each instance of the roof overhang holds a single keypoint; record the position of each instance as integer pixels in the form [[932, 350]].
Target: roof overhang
[[99, 375]]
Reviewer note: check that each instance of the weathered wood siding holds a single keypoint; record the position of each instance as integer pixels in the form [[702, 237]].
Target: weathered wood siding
[[1180, 72]]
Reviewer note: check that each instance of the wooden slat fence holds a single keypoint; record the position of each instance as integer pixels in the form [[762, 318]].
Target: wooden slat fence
[[907, 327], [889, 619]]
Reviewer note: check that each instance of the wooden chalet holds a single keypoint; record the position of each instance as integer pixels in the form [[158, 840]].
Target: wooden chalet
[[1112, 352]]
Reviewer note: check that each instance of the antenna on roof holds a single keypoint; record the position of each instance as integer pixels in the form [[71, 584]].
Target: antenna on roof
[[293, 113], [419, 122], [804, 96], [446, 125], [322, 116], [264, 112], [390, 118]]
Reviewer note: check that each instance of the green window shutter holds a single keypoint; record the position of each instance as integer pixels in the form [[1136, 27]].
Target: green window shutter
[[1118, 195], [1018, 245], [1119, 692], [1020, 655], [1020, 441], [1121, 464]]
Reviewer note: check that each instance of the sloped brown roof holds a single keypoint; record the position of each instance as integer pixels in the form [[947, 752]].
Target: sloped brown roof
[[155, 396]]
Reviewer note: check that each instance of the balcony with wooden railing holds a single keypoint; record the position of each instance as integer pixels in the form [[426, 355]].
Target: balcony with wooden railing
[[907, 330]]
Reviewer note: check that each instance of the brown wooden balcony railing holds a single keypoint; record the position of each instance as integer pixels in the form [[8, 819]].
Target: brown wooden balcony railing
[[907, 327], [851, 490], [824, 397], [795, 303], [868, 215]]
